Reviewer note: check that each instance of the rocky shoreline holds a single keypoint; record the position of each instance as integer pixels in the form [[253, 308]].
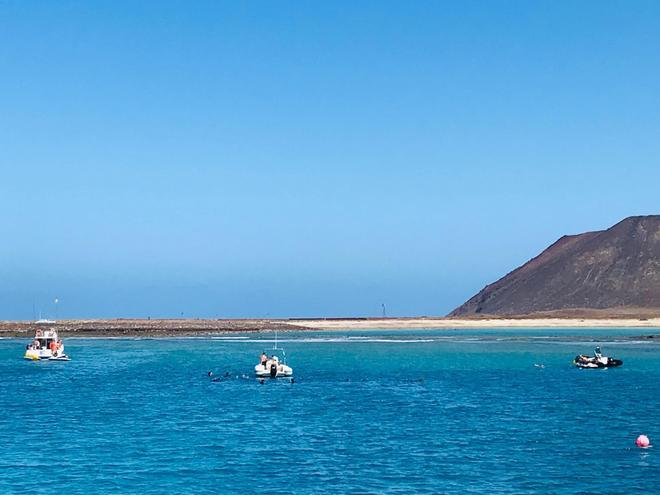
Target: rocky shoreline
[[146, 327]]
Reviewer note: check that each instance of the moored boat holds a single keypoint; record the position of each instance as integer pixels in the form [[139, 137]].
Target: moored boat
[[596, 361], [272, 368], [46, 345]]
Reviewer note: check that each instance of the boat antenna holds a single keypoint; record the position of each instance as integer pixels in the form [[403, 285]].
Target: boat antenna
[[275, 348]]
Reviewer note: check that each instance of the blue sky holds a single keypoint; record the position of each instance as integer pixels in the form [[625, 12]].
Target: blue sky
[[311, 158]]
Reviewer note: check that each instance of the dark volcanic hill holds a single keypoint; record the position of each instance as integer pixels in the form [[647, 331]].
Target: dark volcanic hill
[[614, 268]]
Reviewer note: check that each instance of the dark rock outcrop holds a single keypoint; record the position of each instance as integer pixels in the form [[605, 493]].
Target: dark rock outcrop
[[614, 268]]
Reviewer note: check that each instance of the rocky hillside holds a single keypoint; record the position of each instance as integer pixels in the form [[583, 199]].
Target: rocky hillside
[[614, 268]]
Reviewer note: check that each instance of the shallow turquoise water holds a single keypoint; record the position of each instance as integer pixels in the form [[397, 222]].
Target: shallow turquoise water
[[370, 412]]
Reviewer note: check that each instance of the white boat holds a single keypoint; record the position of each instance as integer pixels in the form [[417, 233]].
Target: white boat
[[45, 346], [273, 367]]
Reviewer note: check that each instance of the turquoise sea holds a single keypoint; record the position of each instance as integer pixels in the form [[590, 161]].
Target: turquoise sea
[[370, 412]]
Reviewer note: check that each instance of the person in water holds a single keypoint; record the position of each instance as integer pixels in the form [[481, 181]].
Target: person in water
[[214, 378]]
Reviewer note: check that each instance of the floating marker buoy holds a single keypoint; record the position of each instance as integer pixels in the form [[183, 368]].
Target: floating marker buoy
[[643, 441]]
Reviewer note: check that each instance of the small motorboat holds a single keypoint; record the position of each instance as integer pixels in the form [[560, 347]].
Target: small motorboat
[[272, 367], [596, 361], [46, 346]]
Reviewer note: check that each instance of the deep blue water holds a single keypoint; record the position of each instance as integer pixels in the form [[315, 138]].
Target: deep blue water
[[370, 412]]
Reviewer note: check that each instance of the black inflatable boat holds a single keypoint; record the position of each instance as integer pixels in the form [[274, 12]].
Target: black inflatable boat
[[598, 361]]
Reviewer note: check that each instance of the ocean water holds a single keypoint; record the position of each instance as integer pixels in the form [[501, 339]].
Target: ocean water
[[397, 412]]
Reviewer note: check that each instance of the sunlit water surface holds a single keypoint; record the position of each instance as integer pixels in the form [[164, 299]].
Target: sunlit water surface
[[370, 412]]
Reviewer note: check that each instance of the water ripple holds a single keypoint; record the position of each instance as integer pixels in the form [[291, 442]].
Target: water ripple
[[435, 415]]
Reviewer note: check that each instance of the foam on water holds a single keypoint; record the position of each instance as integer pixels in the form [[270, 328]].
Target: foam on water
[[327, 340]]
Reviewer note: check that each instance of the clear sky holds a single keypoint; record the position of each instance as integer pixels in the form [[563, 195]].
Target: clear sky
[[311, 158]]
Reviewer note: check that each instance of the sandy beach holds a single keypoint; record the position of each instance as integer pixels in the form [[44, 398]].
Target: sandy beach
[[458, 323]]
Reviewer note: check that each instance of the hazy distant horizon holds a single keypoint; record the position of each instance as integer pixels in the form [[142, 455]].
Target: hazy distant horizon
[[262, 159]]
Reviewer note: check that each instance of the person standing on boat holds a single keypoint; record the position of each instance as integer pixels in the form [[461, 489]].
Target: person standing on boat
[[599, 356], [264, 359]]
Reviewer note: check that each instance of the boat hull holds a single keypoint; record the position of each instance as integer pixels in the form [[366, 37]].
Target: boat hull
[[282, 371], [37, 356], [594, 364]]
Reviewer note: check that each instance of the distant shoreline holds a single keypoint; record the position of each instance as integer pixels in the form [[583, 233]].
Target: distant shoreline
[[460, 323], [155, 328]]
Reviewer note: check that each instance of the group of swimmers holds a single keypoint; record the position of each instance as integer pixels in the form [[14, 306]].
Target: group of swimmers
[[264, 361], [228, 376]]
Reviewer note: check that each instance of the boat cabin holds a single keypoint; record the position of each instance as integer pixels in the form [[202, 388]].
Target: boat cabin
[[45, 337]]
